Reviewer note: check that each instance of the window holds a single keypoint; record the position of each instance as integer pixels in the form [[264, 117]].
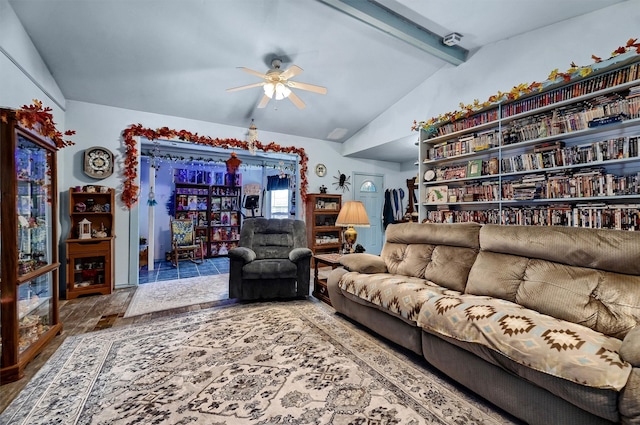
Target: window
[[368, 186], [279, 205]]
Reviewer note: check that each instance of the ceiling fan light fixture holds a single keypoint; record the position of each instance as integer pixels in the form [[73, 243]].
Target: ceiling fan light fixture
[[269, 89], [282, 91]]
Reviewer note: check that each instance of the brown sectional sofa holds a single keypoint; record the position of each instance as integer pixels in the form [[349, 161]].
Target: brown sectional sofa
[[542, 321]]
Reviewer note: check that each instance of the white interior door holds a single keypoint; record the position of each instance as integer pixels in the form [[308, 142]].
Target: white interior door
[[369, 189]]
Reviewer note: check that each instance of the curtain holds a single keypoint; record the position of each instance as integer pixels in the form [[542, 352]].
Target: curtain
[[277, 182]]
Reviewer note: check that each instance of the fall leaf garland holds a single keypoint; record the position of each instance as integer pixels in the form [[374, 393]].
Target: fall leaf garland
[[521, 89], [35, 117], [130, 192]]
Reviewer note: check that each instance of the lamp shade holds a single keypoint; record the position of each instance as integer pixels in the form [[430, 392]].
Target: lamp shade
[[352, 213]]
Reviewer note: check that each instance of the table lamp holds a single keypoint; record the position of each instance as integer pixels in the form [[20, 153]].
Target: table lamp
[[352, 214]]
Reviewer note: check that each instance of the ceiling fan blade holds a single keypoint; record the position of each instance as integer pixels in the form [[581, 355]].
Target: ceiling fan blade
[[263, 102], [296, 100], [248, 86], [252, 72], [308, 87], [291, 72]]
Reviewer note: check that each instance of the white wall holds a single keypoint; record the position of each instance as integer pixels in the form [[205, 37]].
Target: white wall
[[500, 66], [103, 126], [20, 60]]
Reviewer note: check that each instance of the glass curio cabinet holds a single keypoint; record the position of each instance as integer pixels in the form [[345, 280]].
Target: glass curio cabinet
[[28, 246]]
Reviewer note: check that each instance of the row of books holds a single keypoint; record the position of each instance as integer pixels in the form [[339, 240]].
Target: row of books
[[569, 120], [539, 126], [221, 248], [530, 103], [581, 88], [215, 191], [598, 216], [464, 145], [601, 151], [583, 183], [547, 156], [470, 122]]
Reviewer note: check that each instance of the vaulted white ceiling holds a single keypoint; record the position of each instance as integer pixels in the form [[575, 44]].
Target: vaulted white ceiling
[[177, 57]]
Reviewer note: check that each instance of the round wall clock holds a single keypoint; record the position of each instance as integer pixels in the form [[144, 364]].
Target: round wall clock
[[321, 170], [98, 162]]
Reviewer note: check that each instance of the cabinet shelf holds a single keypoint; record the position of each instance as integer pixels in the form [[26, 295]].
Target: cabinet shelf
[[580, 138]]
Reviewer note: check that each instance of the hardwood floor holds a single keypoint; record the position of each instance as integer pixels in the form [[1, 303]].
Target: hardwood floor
[[87, 314]]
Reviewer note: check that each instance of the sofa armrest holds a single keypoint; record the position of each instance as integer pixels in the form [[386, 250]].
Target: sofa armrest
[[630, 348], [245, 254], [298, 254], [364, 263]]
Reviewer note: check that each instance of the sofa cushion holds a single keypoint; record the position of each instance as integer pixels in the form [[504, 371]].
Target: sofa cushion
[[441, 253], [399, 294], [456, 234], [610, 250], [630, 349], [554, 277], [363, 263], [543, 343]]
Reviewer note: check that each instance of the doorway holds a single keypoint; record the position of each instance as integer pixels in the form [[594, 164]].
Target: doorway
[[369, 189]]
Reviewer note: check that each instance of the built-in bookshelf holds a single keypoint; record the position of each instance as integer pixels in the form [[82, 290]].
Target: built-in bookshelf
[[565, 155]]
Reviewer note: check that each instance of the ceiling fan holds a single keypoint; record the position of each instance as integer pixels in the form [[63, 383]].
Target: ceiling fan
[[276, 84]]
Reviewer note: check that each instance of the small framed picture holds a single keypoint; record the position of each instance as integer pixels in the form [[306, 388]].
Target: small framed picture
[[437, 195], [474, 168]]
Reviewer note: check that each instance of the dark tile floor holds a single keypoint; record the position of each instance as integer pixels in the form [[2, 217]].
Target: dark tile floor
[[164, 270]]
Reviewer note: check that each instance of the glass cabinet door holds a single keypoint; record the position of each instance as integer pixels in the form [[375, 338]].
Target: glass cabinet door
[[35, 309], [88, 271], [33, 165]]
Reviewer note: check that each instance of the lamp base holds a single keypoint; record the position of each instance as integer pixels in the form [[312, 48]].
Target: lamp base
[[350, 236]]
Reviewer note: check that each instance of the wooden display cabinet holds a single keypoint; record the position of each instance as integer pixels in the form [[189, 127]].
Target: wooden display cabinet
[[29, 315], [321, 212], [90, 250]]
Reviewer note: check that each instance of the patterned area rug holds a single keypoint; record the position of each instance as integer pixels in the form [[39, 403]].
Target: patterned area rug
[[168, 294], [291, 362]]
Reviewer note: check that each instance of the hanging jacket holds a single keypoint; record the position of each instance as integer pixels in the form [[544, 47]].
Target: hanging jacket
[[387, 210]]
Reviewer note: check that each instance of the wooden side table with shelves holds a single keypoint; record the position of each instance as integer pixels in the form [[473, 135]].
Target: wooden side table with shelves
[[320, 277], [321, 212], [90, 246]]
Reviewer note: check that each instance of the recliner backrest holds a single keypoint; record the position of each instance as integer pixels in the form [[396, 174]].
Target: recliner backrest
[[273, 238]]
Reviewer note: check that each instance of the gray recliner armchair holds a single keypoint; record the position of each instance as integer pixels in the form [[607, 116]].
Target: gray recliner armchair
[[272, 260]]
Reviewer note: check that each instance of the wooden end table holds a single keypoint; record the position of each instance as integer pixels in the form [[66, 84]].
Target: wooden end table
[[320, 282]]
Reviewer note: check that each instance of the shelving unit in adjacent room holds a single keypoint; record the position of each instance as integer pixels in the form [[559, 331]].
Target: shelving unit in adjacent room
[[215, 209]]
